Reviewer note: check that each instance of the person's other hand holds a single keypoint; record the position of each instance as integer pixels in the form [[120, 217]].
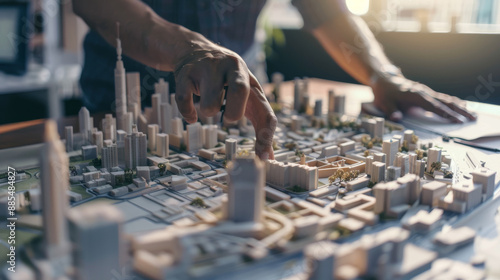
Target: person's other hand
[[205, 73], [396, 95]]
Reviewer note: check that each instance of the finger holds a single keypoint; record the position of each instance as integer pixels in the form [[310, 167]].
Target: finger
[[238, 90], [433, 105], [184, 98], [259, 112], [455, 104], [390, 110], [211, 91]]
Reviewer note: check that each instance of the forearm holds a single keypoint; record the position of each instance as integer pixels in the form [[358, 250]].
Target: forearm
[[350, 42], [145, 36]]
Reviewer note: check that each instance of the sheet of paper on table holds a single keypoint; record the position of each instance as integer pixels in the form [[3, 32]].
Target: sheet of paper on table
[[485, 131], [486, 125]]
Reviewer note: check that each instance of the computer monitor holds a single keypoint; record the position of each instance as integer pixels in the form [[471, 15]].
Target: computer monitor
[[14, 37]]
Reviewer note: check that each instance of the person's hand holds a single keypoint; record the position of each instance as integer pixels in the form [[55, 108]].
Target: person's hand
[[396, 95], [205, 72]]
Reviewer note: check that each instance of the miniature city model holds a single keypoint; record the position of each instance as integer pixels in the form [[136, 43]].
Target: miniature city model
[[344, 198]]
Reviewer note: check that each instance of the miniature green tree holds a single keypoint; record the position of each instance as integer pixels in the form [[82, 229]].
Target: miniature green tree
[[404, 147], [162, 168], [414, 139], [119, 180], [183, 147], [420, 154], [299, 153], [97, 162], [297, 189], [290, 146], [198, 202], [129, 175], [435, 166], [337, 175], [72, 170]]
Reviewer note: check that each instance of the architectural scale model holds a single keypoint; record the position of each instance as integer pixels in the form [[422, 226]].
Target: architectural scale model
[[144, 197]]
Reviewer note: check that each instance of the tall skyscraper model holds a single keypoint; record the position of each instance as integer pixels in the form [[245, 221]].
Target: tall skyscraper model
[[120, 84], [54, 177], [246, 190]]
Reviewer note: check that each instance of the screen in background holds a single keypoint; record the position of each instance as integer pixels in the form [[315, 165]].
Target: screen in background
[[8, 34]]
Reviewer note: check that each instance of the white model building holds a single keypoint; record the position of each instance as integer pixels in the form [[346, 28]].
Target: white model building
[[84, 122], [68, 132], [210, 136], [318, 108], [134, 89], [368, 165], [89, 152], [109, 127], [144, 172], [297, 94], [393, 173], [379, 128], [54, 178], [286, 175], [162, 88], [135, 150], [433, 155], [166, 117], [97, 139], [374, 127], [96, 235], [120, 145], [246, 195], [339, 104], [194, 139], [120, 87], [377, 172], [380, 157], [156, 109], [296, 123], [176, 137], [331, 101], [395, 198], [347, 147], [175, 109], [383, 255], [152, 132], [412, 158], [109, 156], [162, 145], [408, 136], [414, 187], [231, 146], [420, 168], [432, 192], [390, 149], [486, 178], [466, 196], [403, 161], [128, 122]]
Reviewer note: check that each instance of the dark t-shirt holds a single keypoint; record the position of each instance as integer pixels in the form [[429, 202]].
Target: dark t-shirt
[[230, 23]]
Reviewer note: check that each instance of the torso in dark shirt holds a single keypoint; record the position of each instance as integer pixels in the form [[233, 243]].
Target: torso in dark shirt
[[230, 23]]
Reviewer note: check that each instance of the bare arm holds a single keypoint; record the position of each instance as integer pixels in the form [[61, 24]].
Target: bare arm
[[145, 36], [350, 42], [200, 66]]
